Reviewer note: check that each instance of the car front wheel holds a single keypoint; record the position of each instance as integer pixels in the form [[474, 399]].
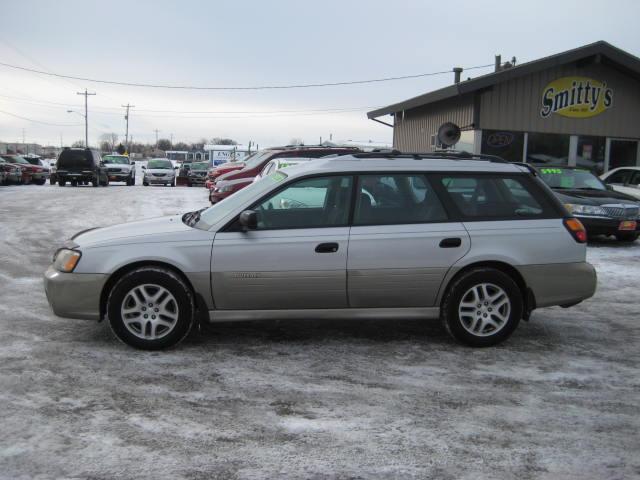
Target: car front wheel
[[151, 308], [482, 307]]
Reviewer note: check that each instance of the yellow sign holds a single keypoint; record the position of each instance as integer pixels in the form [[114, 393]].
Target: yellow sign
[[576, 97]]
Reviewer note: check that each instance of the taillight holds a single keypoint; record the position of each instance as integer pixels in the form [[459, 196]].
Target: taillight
[[576, 229]]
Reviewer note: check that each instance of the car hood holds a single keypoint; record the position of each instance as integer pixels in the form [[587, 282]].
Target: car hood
[[593, 197], [160, 170], [123, 166], [160, 229]]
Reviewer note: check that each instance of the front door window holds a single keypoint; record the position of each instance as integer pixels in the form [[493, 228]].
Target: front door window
[[308, 203]]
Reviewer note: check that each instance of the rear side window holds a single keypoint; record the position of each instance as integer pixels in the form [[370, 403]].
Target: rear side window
[[489, 197], [396, 199]]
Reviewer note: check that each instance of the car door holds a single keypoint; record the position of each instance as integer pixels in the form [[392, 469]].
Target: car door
[[402, 242], [296, 257]]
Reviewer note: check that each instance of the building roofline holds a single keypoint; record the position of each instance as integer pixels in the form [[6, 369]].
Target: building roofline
[[604, 50]]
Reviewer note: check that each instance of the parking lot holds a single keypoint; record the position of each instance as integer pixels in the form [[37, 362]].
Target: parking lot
[[313, 399]]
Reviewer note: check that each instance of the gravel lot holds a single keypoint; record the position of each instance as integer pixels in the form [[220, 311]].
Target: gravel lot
[[315, 399]]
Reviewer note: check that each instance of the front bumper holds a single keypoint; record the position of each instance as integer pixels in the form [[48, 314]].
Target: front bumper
[[197, 180], [159, 180], [215, 197], [74, 295], [604, 226], [118, 177]]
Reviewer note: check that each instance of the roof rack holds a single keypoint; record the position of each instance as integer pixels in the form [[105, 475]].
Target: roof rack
[[445, 154]]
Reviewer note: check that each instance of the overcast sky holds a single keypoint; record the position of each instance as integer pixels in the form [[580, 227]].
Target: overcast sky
[[249, 43]]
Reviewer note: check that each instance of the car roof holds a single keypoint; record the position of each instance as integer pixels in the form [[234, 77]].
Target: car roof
[[409, 162], [630, 167]]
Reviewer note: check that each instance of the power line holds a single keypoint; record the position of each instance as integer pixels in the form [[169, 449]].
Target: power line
[[260, 87], [40, 121], [43, 103]]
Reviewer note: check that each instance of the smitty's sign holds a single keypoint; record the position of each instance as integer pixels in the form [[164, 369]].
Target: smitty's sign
[[576, 97]]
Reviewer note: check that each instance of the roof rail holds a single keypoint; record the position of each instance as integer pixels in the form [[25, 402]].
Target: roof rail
[[445, 154]]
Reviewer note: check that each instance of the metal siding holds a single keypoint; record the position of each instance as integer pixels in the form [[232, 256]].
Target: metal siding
[[413, 134], [515, 104]]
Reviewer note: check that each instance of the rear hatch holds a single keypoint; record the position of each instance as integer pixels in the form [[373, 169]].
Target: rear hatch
[[75, 161]]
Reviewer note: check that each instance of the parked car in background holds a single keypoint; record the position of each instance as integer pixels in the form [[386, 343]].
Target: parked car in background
[[30, 173], [197, 173], [602, 210], [120, 169], [225, 188], [37, 161], [227, 167], [624, 180], [81, 166], [12, 173], [159, 171], [474, 242]]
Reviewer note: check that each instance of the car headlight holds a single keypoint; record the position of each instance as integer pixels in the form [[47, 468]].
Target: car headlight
[[225, 188], [65, 260], [577, 209]]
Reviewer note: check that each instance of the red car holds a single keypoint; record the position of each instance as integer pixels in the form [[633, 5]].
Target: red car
[[216, 172], [253, 166], [30, 173]]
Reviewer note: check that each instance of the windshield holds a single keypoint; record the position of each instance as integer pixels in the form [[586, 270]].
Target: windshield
[[159, 164], [200, 166], [120, 159], [217, 212], [257, 159], [570, 178]]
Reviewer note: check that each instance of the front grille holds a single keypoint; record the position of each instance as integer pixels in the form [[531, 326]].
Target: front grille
[[114, 170], [622, 212], [158, 174]]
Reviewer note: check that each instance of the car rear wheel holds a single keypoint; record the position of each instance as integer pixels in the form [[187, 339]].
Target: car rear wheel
[[62, 183], [151, 308], [482, 307], [627, 236]]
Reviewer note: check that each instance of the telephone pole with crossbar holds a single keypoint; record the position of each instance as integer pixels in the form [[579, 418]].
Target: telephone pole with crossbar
[[86, 116]]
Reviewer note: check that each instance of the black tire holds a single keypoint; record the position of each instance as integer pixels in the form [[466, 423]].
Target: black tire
[[74, 183], [62, 182], [459, 289], [157, 276], [173, 184], [145, 184], [627, 237], [189, 184], [95, 182]]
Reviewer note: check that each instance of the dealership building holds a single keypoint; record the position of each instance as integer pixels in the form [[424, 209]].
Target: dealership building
[[577, 108]]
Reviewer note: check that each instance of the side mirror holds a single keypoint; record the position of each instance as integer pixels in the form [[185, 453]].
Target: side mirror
[[175, 168], [143, 167], [249, 220]]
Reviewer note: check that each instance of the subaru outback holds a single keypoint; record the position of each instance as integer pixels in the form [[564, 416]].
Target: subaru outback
[[476, 242]]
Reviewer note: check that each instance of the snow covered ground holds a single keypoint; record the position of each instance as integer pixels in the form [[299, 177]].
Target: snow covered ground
[[315, 399]]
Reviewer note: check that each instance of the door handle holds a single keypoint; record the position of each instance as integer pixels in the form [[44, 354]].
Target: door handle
[[450, 242], [327, 248]]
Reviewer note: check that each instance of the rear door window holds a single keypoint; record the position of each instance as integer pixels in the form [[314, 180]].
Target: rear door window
[[619, 178], [385, 199], [489, 197]]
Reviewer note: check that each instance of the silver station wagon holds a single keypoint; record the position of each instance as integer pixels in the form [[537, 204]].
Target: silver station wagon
[[476, 242]]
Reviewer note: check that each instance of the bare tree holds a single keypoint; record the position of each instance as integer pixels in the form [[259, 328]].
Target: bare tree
[[78, 144], [296, 141], [223, 141], [109, 140]]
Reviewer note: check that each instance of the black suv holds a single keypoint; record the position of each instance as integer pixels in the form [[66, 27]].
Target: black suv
[[81, 166]]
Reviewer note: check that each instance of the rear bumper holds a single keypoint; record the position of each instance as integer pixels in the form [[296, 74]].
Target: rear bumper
[[74, 295], [560, 283]]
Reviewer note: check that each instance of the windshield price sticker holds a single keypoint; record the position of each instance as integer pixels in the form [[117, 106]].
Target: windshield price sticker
[[551, 171]]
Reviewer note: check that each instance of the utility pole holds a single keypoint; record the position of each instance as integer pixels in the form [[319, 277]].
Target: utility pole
[[126, 135], [24, 143], [156, 130], [171, 135], [86, 116]]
